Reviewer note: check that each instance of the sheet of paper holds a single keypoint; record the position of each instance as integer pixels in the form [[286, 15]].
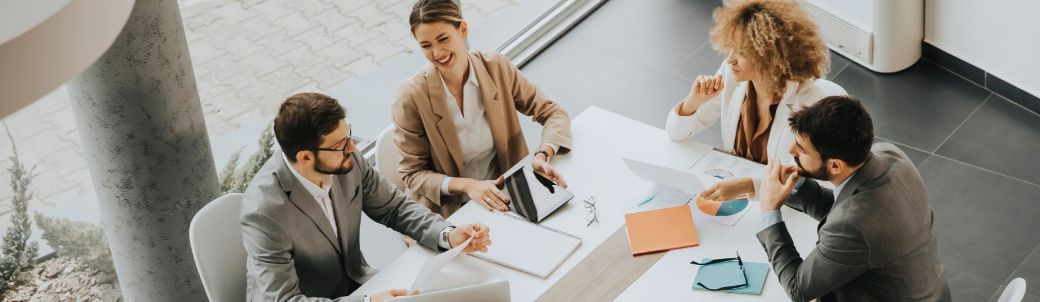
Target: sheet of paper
[[435, 264], [691, 183], [660, 196], [722, 165]]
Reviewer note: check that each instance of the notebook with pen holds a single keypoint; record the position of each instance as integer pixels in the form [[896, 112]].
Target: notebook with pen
[[518, 243], [728, 274], [661, 230]]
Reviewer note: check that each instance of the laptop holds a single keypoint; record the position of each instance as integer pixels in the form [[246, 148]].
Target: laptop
[[533, 196], [495, 291]]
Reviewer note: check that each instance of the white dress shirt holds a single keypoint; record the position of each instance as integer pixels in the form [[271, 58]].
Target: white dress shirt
[[478, 147], [320, 194]]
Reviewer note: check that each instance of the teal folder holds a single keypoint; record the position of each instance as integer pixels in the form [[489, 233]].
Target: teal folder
[[728, 273]]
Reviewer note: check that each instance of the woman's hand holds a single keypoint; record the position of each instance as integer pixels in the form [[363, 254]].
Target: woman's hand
[[487, 194], [704, 89], [729, 189], [543, 167]]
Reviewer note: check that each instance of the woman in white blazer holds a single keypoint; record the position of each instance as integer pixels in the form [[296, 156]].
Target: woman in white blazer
[[774, 67]]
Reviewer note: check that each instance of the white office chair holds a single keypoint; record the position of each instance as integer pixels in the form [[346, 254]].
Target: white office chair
[[380, 244], [388, 158], [1014, 292], [216, 244]]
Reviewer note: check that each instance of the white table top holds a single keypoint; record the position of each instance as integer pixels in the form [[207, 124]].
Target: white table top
[[594, 167], [671, 278]]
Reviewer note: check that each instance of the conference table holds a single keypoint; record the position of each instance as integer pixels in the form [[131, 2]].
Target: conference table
[[603, 268]]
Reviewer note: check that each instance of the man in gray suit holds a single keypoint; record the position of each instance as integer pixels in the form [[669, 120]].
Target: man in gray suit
[[877, 238], [302, 211]]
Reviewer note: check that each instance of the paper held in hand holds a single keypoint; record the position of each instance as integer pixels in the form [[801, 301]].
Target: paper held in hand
[[435, 264]]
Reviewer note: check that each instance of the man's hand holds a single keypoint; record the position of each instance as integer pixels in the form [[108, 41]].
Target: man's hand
[[392, 293], [729, 189], [542, 167], [777, 184], [479, 232]]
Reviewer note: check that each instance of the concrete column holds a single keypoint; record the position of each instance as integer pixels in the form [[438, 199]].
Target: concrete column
[[143, 133]]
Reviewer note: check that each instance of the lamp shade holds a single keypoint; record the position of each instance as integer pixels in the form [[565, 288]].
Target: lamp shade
[[43, 44]]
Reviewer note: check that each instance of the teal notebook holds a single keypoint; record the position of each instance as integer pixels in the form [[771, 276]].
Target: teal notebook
[[728, 273]]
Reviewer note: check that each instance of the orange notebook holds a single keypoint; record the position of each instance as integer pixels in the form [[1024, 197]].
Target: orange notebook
[[661, 230]]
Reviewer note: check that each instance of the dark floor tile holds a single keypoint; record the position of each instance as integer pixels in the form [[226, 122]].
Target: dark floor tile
[[703, 61], [838, 64], [915, 155], [1000, 136], [1030, 271], [592, 78], [918, 107], [967, 287], [985, 221], [656, 34]]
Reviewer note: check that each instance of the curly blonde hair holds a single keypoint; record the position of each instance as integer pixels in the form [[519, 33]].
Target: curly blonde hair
[[777, 36]]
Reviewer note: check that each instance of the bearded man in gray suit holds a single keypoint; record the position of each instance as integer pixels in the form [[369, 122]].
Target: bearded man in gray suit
[[302, 212], [877, 238]]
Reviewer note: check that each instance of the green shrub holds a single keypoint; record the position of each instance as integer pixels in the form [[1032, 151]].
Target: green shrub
[[17, 252], [234, 179], [78, 239]]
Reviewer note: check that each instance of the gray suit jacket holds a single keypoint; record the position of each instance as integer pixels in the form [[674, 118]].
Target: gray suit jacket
[[293, 254], [877, 242]]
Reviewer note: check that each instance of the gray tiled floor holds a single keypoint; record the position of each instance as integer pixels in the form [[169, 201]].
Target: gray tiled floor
[[982, 218], [974, 149], [995, 135], [919, 106]]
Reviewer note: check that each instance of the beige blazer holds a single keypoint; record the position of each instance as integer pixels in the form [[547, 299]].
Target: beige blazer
[[429, 143]]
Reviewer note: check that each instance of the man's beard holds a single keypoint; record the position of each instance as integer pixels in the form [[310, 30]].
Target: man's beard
[[821, 174], [335, 170]]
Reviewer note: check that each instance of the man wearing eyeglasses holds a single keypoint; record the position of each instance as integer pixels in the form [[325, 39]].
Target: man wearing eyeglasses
[[877, 239], [301, 214]]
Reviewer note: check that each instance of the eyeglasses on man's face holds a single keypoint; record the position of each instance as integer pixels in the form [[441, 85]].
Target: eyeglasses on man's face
[[344, 145]]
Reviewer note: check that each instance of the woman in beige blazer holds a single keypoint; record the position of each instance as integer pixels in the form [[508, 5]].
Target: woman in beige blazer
[[456, 121]]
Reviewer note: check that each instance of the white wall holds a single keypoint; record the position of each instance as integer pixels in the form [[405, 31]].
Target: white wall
[[1000, 36]]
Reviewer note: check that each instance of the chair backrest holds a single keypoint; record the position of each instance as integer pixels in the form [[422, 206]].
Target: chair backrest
[[1014, 292], [379, 244], [388, 158], [216, 244]]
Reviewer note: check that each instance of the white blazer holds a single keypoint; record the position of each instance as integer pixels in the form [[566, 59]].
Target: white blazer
[[728, 104]]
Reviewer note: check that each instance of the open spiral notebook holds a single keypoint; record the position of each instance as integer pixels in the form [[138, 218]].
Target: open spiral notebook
[[518, 243]]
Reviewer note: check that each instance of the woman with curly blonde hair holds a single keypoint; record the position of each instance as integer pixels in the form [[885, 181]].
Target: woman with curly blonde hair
[[774, 65]]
